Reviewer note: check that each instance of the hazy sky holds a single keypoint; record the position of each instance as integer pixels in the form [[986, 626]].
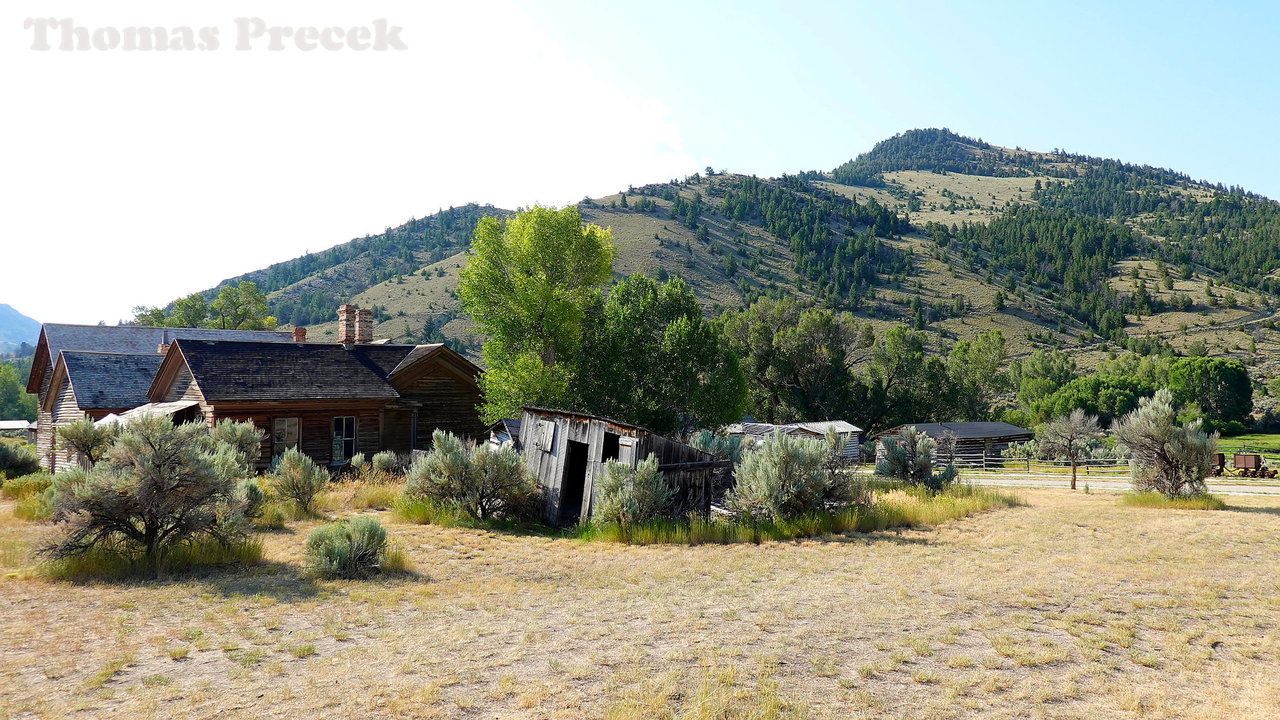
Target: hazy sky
[[134, 177]]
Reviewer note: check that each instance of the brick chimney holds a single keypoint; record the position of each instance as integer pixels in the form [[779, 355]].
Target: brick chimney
[[364, 326], [299, 334], [163, 347], [347, 324]]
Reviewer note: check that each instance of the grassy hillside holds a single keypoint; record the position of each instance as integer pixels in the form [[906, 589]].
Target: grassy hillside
[[928, 228]]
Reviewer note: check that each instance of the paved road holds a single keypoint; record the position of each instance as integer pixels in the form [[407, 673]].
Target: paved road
[[1218, 487]]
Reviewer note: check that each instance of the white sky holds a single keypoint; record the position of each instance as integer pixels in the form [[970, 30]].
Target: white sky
[[139, 177]]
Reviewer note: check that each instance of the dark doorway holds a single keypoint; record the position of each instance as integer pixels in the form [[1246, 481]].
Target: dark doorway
[[609, 448], [573, 483]]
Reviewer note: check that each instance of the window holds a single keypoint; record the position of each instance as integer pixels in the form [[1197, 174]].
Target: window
[[284, 435], [609, 449], [344, 438]]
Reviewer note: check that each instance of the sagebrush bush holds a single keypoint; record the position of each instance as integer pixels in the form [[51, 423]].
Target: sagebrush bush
[[908, 458], [638, 495], [17, 460], [359, 462], [88, 439], [36, 507], [483, 481], [725, 447], [31, 484], [388, 462], [297, 479], [237, 446], [158, 487], [353, 548], [1165, 457], [786, 477]]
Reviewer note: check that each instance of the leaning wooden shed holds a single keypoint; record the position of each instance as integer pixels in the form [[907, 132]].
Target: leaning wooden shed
[[566, 452]]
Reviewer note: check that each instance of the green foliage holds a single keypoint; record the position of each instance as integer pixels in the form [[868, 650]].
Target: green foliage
[[1165, 457], [1185, 502], [1220, 388], [88, 439], [1069, 437], [1041, 374], [480, 480], [353, 548], [1106, 396], [725, 447], [116, 559], [798, 361], [17, 460], [36, 507], [15, 403], [908, 458], [297, 479], [20, 486], [159, 486], [786, 477], [236, 446], [935, 149], [891, 508], [527, 284], [975, 369], [649, 358], [236, 306], [388, 462], [633, 495]]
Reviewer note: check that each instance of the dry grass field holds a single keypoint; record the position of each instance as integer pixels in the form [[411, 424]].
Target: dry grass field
[[1071, 606]]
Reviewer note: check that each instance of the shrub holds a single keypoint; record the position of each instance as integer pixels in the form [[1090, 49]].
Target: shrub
[[908, 458], [352, 548], [483, 481], [88, 439], [388, 462], [118, 559], [297, 479], [237, 446], [636, 495], [359, 462], [17, 460], [21, 487], [784, 478], [1167, 458], [36, 507], [157, 488], [725, 447]]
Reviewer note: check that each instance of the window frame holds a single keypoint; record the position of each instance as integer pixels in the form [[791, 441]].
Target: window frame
[[344, 446], [279, 446]]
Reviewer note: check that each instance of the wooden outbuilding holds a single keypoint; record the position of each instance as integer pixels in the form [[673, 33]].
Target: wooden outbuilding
[[566, 452], [330, 401], [975, 443]]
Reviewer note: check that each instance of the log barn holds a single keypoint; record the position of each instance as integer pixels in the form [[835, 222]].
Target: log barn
[[976, 443], [566, 452]]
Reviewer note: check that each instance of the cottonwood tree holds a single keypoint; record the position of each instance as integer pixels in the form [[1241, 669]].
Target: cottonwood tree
[[1070, 437], [649, 357], [1165, 457], [528, 283]]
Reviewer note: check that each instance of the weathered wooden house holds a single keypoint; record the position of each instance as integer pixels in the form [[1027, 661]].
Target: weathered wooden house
[[119, 340], [566, 452], [331, 401], [756, 433], [974, 443]]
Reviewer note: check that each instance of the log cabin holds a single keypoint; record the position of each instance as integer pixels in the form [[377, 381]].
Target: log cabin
[[974, 443], [93, 385], [125, 340], [330, 401], [566, 453]]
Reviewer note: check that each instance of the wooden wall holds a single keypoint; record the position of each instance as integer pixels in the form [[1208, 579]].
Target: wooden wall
[[447, 403], [44, 421], [315, 429]]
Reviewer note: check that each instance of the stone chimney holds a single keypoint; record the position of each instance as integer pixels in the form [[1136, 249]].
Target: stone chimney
[[299, 334], [364, 326], [347, 324]]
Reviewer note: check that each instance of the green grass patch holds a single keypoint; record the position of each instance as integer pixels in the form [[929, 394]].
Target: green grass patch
[[115, 561], [1156, 500], [36, 507], [21, 487], [892, 507], [1253, 442]]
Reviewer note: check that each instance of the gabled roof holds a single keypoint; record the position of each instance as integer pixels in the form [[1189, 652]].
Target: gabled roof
[[111, 381], [818, 427], [253, 371], [126, 340], [966, 430]]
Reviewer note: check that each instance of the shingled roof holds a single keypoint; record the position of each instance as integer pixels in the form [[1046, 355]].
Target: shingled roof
[[967, 430], [127, 340], [250, 371], [109, 380]]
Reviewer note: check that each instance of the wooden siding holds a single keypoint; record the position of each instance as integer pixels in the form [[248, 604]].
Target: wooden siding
[[44, 420], [692, 472], [315, 428], [448, 403]]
